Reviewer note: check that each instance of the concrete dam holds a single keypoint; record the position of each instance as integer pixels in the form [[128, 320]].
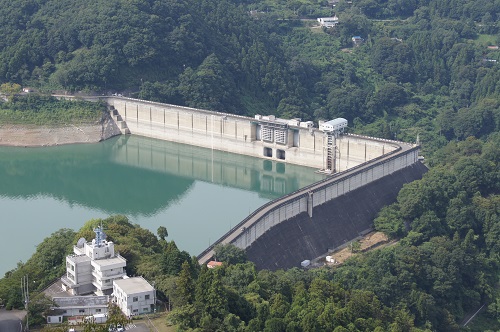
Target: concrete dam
[[289, 141], [366, 174]]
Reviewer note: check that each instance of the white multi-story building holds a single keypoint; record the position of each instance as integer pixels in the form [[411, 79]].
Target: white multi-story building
[[93, 266], [134, 296], [96, 268]]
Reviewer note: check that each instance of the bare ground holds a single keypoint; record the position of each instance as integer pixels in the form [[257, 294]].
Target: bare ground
[[370, 241], [33, 136]]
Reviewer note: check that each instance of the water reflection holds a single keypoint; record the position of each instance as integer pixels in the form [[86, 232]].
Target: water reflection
[[198, 194]]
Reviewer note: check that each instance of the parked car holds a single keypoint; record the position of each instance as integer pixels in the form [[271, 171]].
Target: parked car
[[119, 328]]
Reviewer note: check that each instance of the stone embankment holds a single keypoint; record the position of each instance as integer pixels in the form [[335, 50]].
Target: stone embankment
[[34, 136]]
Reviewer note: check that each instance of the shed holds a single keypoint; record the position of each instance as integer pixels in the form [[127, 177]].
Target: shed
[[213, 264], [333, 125]]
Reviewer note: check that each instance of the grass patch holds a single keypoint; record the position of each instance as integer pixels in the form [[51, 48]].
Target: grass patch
[[159, 321], [485, 40]]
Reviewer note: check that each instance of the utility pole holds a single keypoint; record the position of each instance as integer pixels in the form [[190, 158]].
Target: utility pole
[[26, 298]]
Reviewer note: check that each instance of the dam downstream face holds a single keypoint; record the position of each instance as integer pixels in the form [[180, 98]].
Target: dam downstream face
[[197, 194]]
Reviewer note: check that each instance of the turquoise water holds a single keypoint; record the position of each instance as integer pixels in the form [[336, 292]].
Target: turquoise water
[[197, 194]]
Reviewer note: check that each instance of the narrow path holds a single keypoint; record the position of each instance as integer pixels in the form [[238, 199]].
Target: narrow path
[[470, 316]]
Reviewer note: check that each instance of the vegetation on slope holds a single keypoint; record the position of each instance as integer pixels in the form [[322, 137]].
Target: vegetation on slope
[[424, 71], [44, 110]]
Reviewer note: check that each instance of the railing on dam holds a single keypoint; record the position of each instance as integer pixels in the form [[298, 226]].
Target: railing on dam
[[404, 150]]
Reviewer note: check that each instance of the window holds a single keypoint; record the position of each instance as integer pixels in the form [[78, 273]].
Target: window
[[135, 310], [280, 154], [146, 297], [145, 309], [81, 310], [60, 319], [48, 319], [135, 299], [98, 310]]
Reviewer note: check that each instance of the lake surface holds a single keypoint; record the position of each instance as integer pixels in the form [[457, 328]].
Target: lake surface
[[197, 194]]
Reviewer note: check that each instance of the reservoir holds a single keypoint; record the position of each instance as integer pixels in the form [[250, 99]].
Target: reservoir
[[197, 194]]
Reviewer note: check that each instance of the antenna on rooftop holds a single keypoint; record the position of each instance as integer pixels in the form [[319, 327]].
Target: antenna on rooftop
[[100, 236]]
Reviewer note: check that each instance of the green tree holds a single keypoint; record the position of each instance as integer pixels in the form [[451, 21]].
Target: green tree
[[185, 284], [162, 233], [230, 254], [10, 89]]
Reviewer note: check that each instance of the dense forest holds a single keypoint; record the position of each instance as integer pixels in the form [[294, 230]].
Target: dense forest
[[427, 70], [424, 70]]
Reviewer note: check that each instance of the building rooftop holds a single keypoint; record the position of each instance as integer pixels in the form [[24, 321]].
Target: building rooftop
[[337, 121], [109, 261], [213, 264], [79, 258], [133, 285], [81, 301]]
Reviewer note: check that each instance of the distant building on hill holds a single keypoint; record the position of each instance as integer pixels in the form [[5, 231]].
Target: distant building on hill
[[328, 22], [357, 40]]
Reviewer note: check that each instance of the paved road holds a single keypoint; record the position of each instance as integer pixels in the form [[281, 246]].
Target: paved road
[[10, 320]]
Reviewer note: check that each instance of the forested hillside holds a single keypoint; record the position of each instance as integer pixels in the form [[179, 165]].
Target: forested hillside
[[425, 66], [427, 70]]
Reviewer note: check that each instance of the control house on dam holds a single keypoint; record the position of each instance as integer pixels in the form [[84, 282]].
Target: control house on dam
[[366, 174]]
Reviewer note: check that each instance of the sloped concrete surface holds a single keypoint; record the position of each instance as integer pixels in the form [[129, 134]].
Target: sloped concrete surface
[[333, 223]]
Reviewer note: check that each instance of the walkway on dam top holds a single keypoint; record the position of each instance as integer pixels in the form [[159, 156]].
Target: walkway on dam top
[[229, 237]]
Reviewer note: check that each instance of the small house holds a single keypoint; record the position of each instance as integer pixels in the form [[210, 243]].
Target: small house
[[213, 264], [328, 22], [357, 40], [55, 316]]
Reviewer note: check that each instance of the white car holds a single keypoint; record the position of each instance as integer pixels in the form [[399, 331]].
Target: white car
[[119, 328]]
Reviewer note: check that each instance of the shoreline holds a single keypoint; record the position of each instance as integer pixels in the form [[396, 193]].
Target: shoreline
[[13, 135]]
